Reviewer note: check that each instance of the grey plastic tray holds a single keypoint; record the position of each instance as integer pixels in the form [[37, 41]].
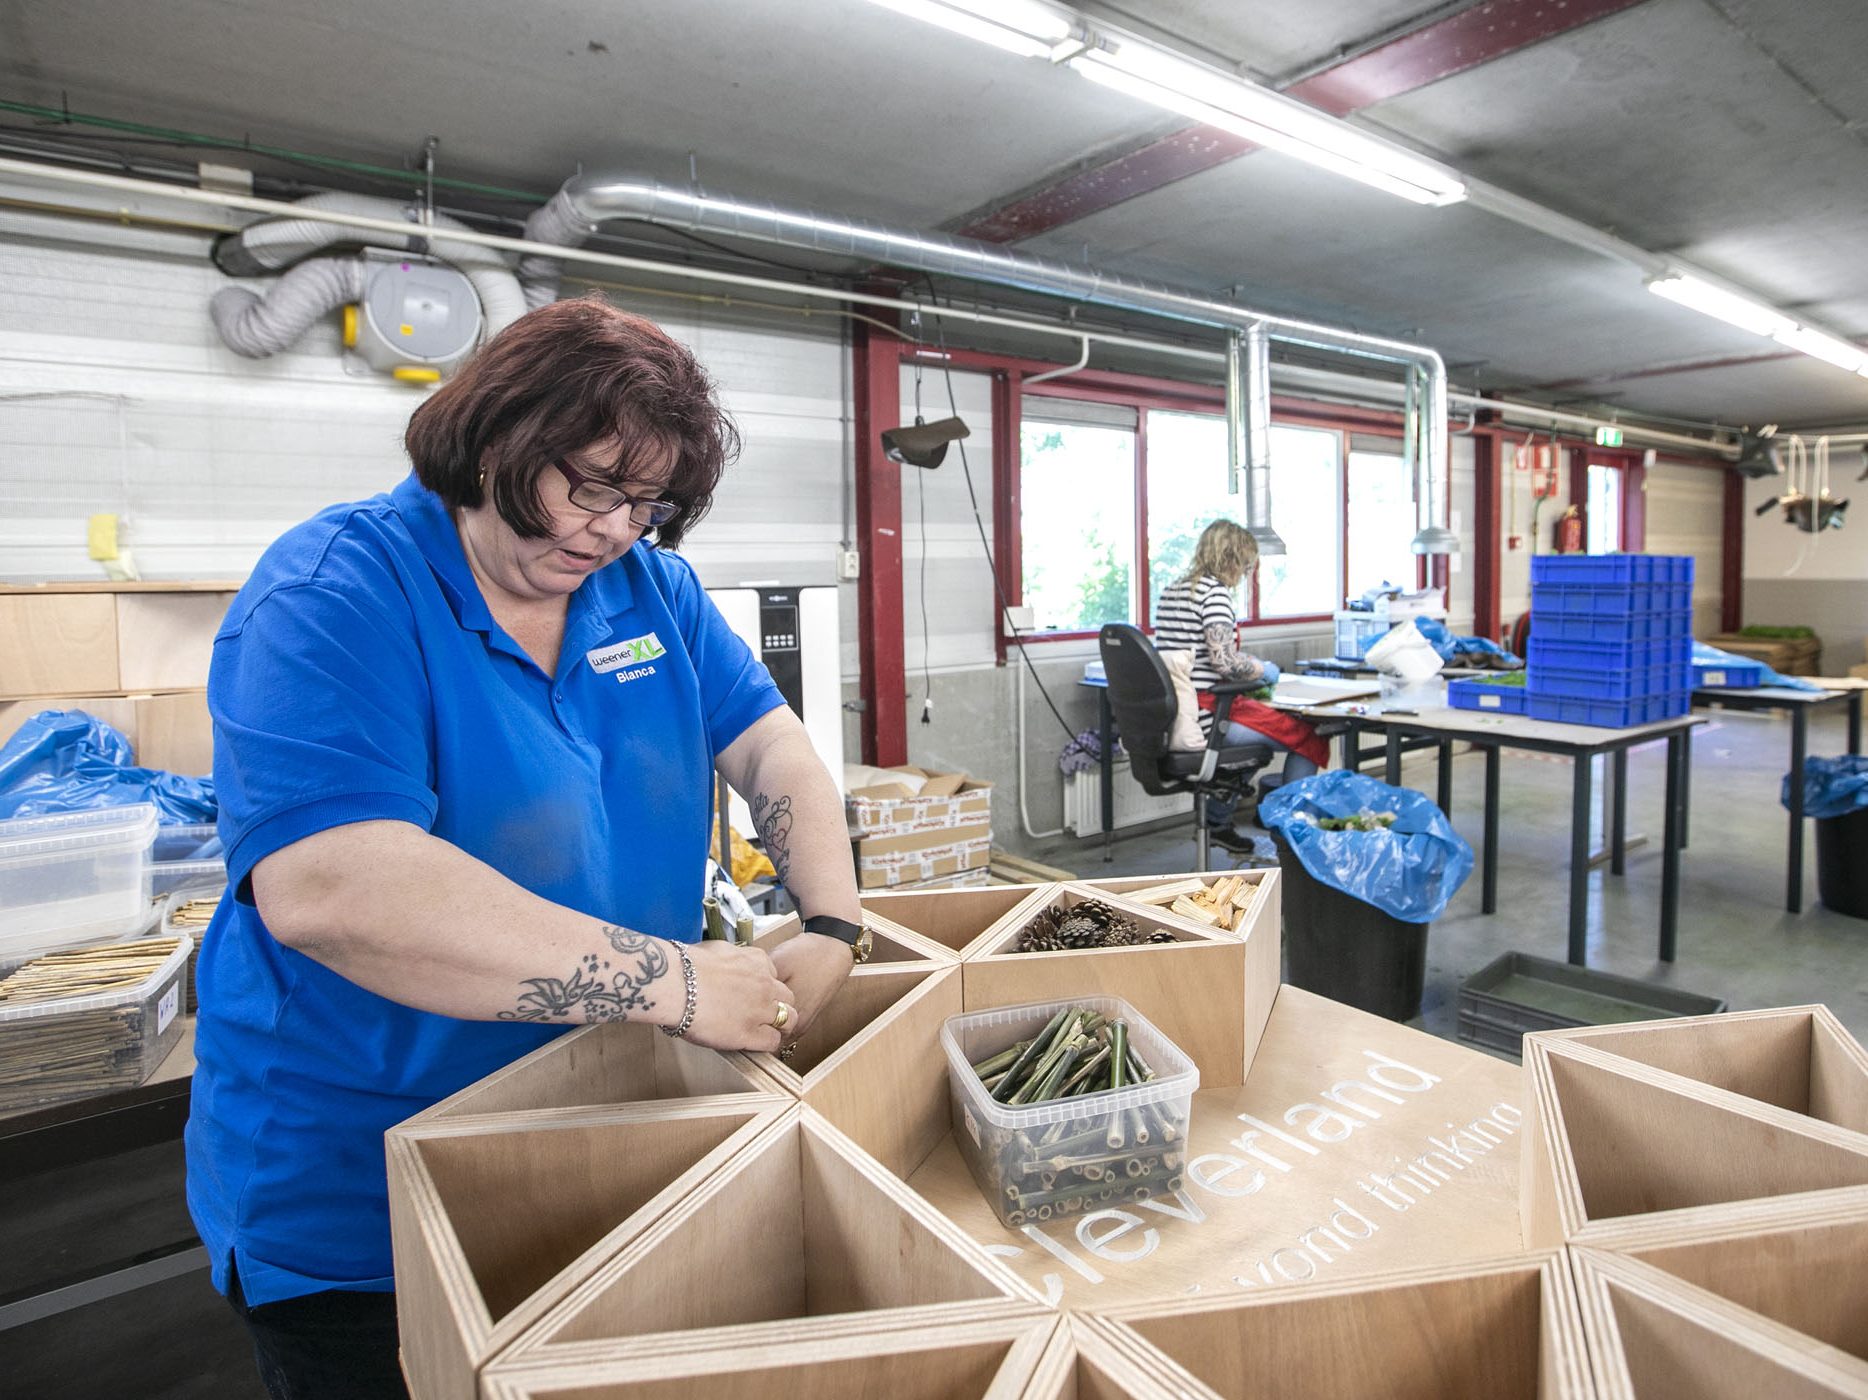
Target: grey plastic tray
[[1519, 992]]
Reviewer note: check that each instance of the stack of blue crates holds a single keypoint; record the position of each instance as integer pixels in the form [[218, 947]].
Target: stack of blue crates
[[1611, 638]]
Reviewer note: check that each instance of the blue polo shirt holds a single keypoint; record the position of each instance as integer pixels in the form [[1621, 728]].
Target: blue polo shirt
[[359, 676]]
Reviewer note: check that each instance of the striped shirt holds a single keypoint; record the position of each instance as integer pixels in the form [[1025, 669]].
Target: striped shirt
[[1197, 615]]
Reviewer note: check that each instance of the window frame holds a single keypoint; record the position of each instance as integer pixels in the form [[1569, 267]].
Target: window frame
[[1145, 394]]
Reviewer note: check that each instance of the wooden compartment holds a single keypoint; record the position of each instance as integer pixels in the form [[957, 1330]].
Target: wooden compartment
[[1259, 895], [1651, 1334], [954, 919], [1196, 990], [1799, 1058], [1084, 1363], [1500, 1330], [1611, 1137], [889, 943], [494, 1218], [932, 1360], [804, 1225], [605, 1065]]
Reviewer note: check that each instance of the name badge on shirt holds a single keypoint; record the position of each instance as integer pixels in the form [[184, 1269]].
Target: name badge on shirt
[[629, 660]]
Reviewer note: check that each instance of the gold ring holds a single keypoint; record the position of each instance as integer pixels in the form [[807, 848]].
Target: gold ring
[[782, 1017]]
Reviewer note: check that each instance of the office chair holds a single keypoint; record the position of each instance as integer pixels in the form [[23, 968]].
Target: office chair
[[1141, 695]]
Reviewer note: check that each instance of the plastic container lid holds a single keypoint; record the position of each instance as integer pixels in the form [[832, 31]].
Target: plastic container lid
[[25, 839]]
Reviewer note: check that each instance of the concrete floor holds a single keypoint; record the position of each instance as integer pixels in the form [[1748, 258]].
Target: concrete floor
[[1736, 940]]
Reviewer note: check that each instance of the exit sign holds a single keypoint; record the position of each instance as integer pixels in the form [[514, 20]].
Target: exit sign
[[1608, 437]]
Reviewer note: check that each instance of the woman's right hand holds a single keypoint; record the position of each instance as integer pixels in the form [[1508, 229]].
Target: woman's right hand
[[737, 994]]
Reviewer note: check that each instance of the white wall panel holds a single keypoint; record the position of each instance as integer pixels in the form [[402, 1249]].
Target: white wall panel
[[1686, 515]]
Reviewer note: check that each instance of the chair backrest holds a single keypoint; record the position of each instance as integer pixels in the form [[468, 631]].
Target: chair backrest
[[1141, 693]]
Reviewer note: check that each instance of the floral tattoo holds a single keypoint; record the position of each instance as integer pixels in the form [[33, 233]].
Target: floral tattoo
[[598, 989], [773, 818]]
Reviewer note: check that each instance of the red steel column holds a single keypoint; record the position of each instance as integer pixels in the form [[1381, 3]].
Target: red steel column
[[878, 393], [1732, 556], [1486, 540], [1007, 510]]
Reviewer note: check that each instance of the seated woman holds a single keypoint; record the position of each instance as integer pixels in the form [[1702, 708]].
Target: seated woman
[[1197, 614]]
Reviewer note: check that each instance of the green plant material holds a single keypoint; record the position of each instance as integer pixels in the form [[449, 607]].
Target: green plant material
[[1039, 1044], [1516, 678], [1118, 1053], [1365, 820], [714, 925], [1772, 633], [1077, 1053]]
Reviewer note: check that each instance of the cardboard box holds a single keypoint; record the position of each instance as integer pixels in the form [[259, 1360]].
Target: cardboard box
[[945, 800], [1788, 656], [883, 861], [89, 639], [1859, 672]]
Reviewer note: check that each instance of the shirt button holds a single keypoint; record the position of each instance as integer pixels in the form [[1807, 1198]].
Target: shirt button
[[559, 697]]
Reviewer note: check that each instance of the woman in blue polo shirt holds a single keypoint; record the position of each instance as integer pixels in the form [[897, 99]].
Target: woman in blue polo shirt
[[465, 735]]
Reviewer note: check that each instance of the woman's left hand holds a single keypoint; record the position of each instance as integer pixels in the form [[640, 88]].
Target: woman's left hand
[[812, 966]]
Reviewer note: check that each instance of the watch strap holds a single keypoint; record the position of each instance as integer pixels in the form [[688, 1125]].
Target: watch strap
[[832, 927]]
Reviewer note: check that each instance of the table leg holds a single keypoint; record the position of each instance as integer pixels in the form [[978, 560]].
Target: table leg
[[1799, 748], [1579, 860], [1444, 793], [1670, 847], [1855, 721], [1352, 746], [1391, 771], [1686, 783], [1105, 726], [1488, 898], [1618, 814]]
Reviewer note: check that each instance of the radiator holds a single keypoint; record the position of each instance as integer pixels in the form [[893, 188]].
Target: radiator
[[1083, 811]]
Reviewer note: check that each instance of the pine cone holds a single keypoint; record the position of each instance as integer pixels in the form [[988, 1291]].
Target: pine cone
[[1041, 934]]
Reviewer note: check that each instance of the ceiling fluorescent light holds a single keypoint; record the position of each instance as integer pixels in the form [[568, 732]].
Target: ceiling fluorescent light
[[1825, 347], [1026, 29], [1269, 118], [1722, 305]]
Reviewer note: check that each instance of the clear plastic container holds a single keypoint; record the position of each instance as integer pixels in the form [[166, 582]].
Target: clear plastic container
[[1074, 1155], [77, 877], [183, 856], [51, 1051]]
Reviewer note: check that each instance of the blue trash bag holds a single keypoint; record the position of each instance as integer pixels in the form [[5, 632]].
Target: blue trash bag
[[1409, 871], [1704, 655], [1472, 650], [1832, 787], [70, 761]]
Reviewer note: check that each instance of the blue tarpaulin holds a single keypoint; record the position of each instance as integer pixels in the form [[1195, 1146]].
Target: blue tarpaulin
[[70, 761], [1832, 787], [1408, 871]]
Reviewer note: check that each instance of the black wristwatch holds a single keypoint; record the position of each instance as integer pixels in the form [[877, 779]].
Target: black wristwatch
[[856, 935]]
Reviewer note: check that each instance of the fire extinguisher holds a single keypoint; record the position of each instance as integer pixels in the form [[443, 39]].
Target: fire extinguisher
[[1571, 536]]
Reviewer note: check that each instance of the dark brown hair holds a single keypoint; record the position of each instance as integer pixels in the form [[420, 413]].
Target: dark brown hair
[[550, 384]]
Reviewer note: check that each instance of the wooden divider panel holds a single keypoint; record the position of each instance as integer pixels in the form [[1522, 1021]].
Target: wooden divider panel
[[1653, 1335], [923, 1358], [890, 943], [1505, 1329], [954, 919], [1084, 1362], [492, 1219], [863, 998], [615, 1063]]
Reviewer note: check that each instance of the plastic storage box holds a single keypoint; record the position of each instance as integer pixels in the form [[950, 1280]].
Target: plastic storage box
[[1518, 993], [77, 877], [1728, 675], [51, 1051], [1356, 632], [184, 855], [1477, 695], [1074, 1155]]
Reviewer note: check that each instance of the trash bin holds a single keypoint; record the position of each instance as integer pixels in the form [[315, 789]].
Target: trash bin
[[1842, 863], [1367, 869], [1342, 948], [1835, 793]]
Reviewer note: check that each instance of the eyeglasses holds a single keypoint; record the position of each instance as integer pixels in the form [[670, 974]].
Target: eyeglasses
[[600, 498]]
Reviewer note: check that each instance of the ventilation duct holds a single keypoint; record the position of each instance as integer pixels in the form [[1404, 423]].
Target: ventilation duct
[[1432, 536], [1248, 430], [272, 244], [256, 326], [586, 201]]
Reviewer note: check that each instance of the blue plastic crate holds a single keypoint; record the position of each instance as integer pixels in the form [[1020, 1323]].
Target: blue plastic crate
[[1609, 714], [1611, 569], [1476, 695], [1731, 675], [1356, 634], [1582, 627], [1636, 683], [1617, 655]]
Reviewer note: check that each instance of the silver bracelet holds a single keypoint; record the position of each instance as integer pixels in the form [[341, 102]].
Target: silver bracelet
[[686, 1022]]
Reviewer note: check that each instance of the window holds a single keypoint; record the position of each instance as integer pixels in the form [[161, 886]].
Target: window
[[1077, 524], [1380, 501], [1114, 491], [1602, 514]]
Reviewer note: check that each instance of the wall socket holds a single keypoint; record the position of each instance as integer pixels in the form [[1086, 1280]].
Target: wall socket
[[849, 565]]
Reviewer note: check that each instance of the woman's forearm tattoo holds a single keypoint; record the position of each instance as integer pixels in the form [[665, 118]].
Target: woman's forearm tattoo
[[773, 818], [599, 989]]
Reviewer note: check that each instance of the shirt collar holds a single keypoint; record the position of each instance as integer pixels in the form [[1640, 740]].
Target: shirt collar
[[601, 596]]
